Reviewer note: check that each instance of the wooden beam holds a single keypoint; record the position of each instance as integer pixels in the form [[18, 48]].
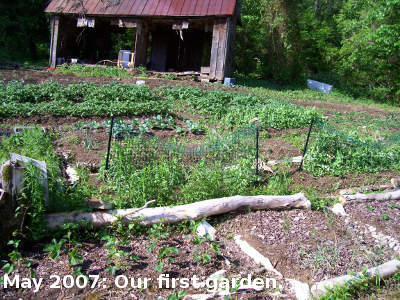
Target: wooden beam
[[142, 38], [55, 22], [124, 22], [222, 50], [219, 49]]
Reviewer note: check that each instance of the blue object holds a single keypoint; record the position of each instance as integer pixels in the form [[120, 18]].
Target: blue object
[[126, 57], [229, 82], [319, 86]]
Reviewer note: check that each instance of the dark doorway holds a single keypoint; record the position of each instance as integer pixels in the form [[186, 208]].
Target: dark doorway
[[177, 51]]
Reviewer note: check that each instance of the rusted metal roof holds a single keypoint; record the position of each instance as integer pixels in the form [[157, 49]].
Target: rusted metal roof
[[178, 8]]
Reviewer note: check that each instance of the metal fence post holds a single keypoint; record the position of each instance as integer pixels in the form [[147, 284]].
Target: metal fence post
[[109, 143], [257, 146], [306, 145]]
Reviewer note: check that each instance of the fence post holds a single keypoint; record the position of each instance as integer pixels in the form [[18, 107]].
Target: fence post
[[257, 146], [109, 144], [306, 145]]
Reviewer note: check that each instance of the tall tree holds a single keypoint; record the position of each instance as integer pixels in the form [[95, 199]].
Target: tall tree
[[370, 51], [23, 25]]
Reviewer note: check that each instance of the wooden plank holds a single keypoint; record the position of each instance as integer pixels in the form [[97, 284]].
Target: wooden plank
[[55, 21], [205, 70], [214, 50], [142, 38], [219, 74]]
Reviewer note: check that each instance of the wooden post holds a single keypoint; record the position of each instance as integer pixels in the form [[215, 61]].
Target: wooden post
[[142, 38], [55, 21], [222, 48]]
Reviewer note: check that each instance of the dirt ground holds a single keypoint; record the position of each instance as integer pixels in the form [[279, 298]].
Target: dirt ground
[[309, 246], [95, 256]]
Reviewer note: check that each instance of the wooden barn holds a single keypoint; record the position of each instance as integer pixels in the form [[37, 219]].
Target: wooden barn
[[169, 35]]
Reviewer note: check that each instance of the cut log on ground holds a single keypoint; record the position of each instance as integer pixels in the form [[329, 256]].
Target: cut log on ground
[[367, 188], [296, 159], [382, 271], [370, 197], [193, 211]]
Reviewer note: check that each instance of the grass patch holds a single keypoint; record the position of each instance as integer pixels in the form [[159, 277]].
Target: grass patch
[[92, 71]]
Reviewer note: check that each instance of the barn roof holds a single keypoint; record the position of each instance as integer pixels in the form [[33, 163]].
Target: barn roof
[[158, 8]]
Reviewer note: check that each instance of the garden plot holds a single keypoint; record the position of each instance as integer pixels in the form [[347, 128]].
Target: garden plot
[[308, 246], [379, 217], [180, 255], [192, 152]]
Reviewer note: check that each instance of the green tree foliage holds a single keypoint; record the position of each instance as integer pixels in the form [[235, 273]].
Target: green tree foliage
[[23, 26], [353, 44], [370, 53]]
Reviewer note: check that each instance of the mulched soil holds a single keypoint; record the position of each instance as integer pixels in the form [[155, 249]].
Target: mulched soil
[[40, 76], [331, 184], [384, 216], [278, 150], [304, 245], [95, 258]]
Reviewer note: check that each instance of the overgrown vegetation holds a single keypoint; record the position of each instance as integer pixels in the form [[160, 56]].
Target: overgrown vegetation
[[37, 145], [141, 170], [336, 153], [352, 44], [233, 109]]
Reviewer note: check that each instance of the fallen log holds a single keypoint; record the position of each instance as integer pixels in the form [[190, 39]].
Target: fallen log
[[193, 211], [382, 271], [367, 188], [370, 197], [296, 159]]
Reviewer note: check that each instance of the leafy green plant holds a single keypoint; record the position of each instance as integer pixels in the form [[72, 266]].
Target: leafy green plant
[[201, 256], [74, 258], [54, 248], [86, 99], [116, 256], [165, 254]]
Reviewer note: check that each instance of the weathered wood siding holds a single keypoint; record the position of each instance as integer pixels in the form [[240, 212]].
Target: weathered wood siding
[[222, 48], [54, 24]]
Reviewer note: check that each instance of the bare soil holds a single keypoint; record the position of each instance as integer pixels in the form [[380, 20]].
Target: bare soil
[[95, 262], [305, 245], [384, 216]]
